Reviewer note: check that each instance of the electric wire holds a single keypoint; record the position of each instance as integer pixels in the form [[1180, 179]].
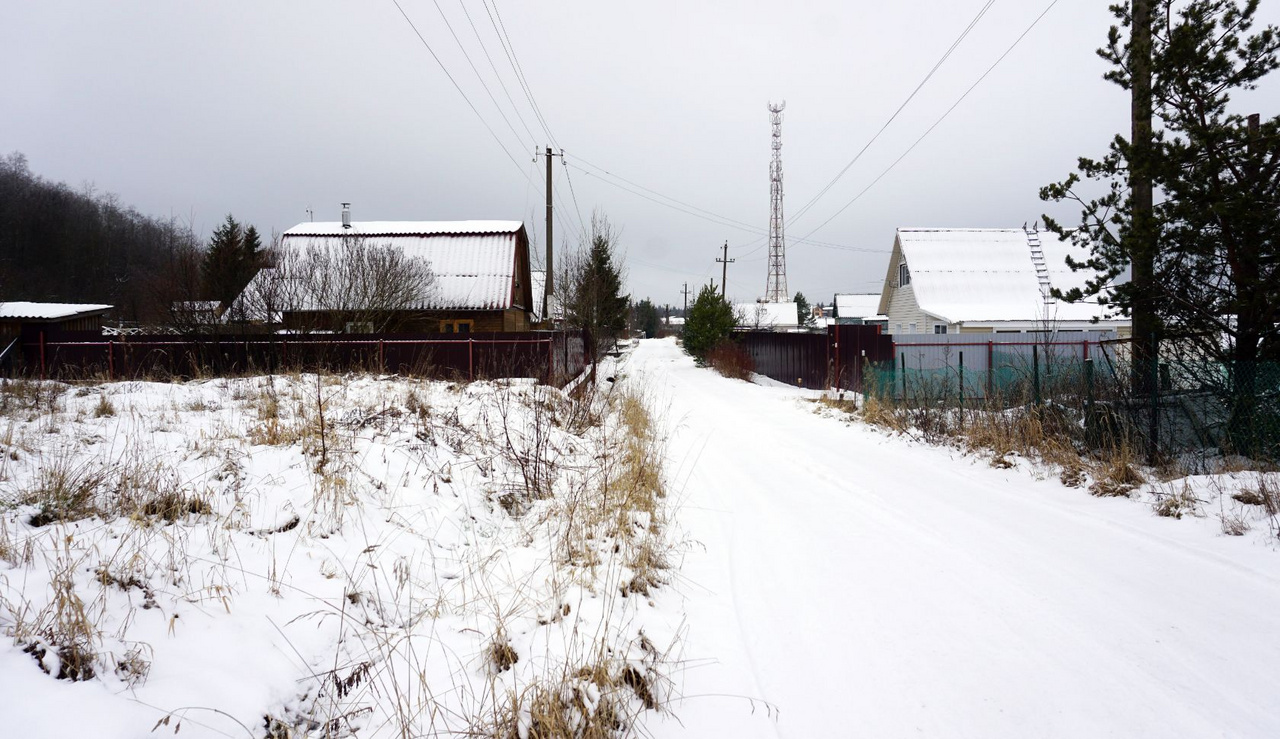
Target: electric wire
[[496, 73], [480, 78], [942, 118], [938, 65], [508, 48], [457, 87]]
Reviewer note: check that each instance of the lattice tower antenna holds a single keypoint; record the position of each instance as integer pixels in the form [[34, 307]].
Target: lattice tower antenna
[[776, 289]]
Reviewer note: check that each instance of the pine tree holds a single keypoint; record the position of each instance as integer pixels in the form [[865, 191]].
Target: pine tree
[[709, 322], [1219, 175]]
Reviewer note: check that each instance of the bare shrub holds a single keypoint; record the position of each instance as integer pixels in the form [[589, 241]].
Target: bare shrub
[[731, 360]]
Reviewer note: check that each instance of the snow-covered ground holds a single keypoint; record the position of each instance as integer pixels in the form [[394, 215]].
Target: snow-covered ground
[[325, 556], [433, 560], [853, 583]]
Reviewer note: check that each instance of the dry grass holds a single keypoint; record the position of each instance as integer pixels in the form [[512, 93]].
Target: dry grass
[[67, 489], [1172, 503]]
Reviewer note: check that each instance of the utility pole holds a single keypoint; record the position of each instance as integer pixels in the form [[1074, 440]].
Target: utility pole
[[1142, 227], [685, 312], [724, 271], [547, 290]]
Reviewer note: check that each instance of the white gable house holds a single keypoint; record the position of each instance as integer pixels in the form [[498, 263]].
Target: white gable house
[[985, 280]]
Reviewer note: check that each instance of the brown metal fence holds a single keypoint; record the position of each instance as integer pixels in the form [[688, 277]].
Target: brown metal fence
[[553, 357], [836, 358]]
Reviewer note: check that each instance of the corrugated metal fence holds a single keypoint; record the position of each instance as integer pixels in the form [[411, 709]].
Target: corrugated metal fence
[[836, 358]]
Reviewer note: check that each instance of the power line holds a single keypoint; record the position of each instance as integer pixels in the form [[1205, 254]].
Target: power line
[[500, 28], [942, 118], [483, 84], [703, 214], [496, 73], [946, 55], [576, 207], [457, 87]]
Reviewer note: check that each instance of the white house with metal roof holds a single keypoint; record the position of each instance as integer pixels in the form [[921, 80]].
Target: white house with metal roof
[[985, 280], [482, 279]]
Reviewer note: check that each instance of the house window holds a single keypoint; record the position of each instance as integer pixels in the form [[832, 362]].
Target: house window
[[904, 276], [457, 327], [939, 328], [898, 330], [359, 327], [913, 329]]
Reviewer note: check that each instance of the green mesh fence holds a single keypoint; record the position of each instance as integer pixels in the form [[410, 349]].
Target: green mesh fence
[[1180, 406]]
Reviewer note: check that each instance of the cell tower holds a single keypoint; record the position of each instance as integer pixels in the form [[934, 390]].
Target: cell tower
[[776, 289]]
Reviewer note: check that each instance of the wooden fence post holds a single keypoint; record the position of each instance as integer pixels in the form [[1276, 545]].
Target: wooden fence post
[[42, 362], [471, 362]]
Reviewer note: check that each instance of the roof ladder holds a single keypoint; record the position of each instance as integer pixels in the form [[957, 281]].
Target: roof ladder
[[1042, 268]]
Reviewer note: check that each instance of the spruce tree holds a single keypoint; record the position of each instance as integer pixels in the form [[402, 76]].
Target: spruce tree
[[709, 322], [223, 262]]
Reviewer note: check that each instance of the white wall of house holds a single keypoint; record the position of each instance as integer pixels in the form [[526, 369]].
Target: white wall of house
[[904, 312]]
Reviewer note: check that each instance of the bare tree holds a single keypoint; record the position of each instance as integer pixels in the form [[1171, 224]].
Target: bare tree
[[347, 284]]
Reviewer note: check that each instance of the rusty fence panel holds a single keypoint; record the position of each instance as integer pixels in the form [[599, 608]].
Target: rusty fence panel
[[552, 357]]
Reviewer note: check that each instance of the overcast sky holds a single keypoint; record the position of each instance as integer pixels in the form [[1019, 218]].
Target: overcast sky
[[265, 109]]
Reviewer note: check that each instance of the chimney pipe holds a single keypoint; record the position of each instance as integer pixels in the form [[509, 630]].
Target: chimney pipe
[[346, 215]]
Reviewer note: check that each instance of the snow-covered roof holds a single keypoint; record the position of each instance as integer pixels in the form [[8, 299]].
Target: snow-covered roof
[[47, 311], [767, 315], [473, 261], [403, 228], [859, 305], [986, 275]]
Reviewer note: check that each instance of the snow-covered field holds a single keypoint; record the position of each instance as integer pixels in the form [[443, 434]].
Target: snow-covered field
[[327, 556], [856, 583]]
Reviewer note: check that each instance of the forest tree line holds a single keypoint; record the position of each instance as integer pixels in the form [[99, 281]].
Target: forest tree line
[[59, 244]]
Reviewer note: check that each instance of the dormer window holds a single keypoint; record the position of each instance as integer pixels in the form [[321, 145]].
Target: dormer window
[[904, 276]]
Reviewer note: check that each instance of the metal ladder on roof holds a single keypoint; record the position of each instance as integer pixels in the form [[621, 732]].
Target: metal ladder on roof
[[1042, 268]]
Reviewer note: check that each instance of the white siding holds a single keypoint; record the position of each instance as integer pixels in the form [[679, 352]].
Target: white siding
[[903, 308]]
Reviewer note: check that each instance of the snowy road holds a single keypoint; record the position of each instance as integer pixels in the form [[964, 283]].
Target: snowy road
[[852, 584]]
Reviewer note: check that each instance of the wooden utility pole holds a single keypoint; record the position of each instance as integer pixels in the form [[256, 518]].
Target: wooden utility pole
[[1142, 244], [686, 299], [547, 286], [724, 271]]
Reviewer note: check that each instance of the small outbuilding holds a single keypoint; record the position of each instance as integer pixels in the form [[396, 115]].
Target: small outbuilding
[[19, 316]]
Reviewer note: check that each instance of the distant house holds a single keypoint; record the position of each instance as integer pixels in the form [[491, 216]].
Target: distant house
[[855, 309], [767, 316], [482, 278], [984, 280], [196, 312]]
